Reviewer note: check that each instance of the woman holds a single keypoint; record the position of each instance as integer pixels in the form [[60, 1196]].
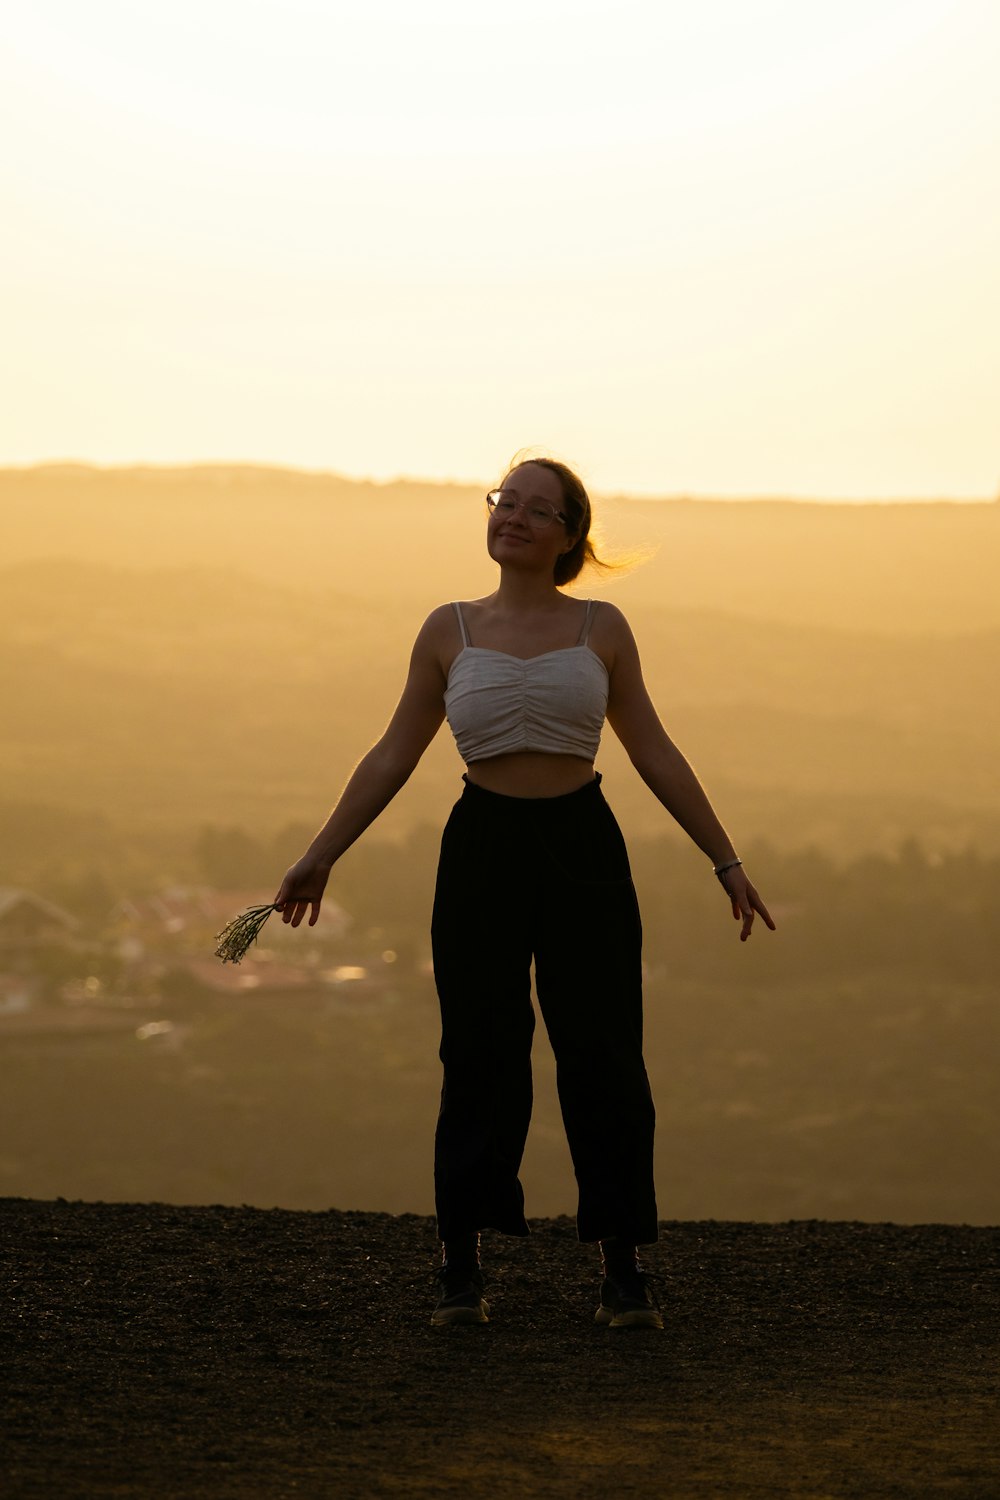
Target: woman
[[533, 866]]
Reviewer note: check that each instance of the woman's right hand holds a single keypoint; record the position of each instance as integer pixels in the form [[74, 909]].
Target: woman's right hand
[[302, 888]]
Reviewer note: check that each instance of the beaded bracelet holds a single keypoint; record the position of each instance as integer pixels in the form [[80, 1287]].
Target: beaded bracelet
[[720, 870]]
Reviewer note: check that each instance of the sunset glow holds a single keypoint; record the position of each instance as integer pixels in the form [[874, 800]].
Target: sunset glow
[[733, 249]]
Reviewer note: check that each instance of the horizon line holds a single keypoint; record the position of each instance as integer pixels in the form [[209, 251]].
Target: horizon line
[[266, 466]]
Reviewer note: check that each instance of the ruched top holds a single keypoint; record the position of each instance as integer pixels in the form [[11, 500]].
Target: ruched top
[[554, 703]]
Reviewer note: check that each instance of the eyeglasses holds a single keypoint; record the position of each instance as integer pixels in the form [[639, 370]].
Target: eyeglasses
[[537, 514]]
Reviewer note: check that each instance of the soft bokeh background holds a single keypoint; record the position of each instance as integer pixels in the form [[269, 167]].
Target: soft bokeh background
[[261, 261]]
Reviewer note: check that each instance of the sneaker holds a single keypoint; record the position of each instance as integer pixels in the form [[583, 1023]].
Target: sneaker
[[628, 1302], [462, 1298]]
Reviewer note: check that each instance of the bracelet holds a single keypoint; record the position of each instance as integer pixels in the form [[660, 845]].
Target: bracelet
[[720, 870]]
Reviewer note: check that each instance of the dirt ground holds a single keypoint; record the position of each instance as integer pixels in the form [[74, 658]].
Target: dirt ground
[[157, 1351]]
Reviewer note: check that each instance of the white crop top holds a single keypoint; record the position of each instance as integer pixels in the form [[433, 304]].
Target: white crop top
[[554, 703]]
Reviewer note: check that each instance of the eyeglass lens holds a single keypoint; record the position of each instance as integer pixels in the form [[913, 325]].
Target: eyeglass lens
[[501, 502]]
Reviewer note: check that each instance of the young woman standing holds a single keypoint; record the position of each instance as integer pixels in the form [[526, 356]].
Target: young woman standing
[[533, 867]]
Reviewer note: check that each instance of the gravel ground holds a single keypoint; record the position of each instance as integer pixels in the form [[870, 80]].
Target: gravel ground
[[150, 1350]]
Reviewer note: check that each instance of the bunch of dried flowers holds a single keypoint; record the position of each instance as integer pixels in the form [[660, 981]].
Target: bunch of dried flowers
[[237, 935]]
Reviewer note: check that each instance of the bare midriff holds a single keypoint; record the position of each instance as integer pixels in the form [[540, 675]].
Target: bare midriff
[[529, 773]]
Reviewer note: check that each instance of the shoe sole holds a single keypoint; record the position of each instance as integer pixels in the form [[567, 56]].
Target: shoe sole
[[450, 1317], [639, 1317]]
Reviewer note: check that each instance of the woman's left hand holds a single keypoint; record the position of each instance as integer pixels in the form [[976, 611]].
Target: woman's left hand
[[745, 900]]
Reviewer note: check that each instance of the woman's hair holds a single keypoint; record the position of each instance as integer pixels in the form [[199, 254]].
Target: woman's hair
[[579, 519]]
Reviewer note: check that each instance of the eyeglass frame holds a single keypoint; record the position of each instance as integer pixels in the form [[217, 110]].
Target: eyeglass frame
[[520, 501]]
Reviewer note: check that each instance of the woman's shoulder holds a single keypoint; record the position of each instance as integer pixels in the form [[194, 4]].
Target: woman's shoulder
[[441, 632], [611, 635], [442, 612], [609, 619]]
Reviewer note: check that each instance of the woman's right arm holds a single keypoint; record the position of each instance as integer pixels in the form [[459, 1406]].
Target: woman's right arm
[[379, 775]]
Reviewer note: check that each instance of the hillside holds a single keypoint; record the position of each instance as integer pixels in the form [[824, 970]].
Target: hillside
[[166, 698], [900, 569]]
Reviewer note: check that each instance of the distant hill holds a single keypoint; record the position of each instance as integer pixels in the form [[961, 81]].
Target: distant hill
[[900, 569], [221, 644], [166, 697]]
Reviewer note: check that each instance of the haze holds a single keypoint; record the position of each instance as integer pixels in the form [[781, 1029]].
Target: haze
[[191, 661]]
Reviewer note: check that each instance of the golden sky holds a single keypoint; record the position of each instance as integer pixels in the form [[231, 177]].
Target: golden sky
[[735, 247]]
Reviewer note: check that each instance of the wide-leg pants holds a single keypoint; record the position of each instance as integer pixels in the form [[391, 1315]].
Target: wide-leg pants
[[545, 879]]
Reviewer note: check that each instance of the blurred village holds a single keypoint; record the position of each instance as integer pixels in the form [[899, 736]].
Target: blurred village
[[152, 960], [842, 1068]]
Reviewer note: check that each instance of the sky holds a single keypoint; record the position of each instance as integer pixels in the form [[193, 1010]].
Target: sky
[[716, 249]]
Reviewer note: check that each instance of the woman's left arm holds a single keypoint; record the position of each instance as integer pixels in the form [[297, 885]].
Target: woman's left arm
[[664, 769]]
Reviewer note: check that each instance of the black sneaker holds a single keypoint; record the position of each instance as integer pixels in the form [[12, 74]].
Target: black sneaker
[[628, 1302], [462, 1298]]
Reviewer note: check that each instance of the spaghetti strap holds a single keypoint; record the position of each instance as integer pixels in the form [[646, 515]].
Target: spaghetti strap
[[588, 621], [461, 623]]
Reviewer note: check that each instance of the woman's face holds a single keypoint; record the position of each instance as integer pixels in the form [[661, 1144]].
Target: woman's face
[[511, 540]]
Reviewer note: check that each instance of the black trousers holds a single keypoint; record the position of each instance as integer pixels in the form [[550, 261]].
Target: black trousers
[[545, 879]]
